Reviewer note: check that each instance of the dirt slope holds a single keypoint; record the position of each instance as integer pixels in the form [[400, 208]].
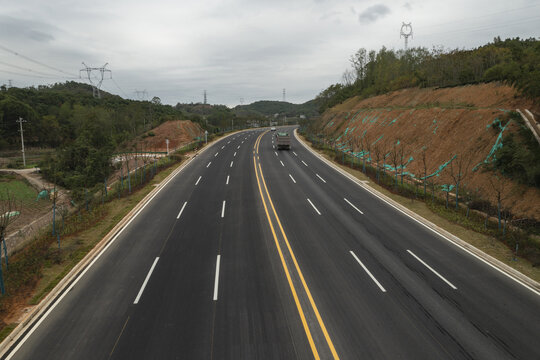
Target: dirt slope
[[179, 133], [465, 123]]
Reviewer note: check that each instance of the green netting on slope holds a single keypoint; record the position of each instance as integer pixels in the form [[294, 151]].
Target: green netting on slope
[[354, 118], [441, 168], [328, 125], [498, 145], [377, 139], [447, 188]]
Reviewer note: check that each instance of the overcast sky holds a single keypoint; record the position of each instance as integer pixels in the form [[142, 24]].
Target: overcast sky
[[250, 49]]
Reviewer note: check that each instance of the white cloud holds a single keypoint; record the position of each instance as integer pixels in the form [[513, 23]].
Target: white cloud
[[238, 48]]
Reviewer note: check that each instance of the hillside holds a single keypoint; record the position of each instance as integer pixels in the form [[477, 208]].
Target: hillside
[[178, 132], [270, 108], [467, 124]]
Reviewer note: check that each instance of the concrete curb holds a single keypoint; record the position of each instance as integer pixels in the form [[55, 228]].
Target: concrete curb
[[40, 309], [498, 265]]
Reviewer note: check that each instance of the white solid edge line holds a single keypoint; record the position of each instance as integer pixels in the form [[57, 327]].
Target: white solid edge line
[[181, 210], [208, 164], [432, 270], [216, 280], [357, 209], [145, 281], [282, 163], [223, 209], [294, 181], [319, 176], [83, 272], [317, 210], [368, 272], [227, 182], [365, 187], [303, 162], [199, 179], [231, 163]]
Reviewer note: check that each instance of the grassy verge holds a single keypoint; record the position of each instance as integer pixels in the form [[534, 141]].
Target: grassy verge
[[470, 229]]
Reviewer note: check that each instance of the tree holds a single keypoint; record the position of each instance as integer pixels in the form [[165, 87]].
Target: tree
[[459, 169], [10, 210], [500, 187]]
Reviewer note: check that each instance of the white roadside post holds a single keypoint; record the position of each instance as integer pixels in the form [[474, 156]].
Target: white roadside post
[[206, 136], [167, 142]]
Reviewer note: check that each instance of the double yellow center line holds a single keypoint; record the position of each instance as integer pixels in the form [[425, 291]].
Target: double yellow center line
[[262, 184]]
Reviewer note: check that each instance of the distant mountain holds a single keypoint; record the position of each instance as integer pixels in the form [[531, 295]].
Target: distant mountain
[[269, 108]]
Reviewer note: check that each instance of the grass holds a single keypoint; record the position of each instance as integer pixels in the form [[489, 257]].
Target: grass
[[20, 189], [449, 220]]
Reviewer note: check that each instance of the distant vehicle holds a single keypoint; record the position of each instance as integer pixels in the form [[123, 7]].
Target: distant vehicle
[[283, 140], [273, 128]]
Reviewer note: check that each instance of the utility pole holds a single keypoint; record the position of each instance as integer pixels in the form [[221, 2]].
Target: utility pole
[[20, 121], [284, 95], [204, 95], [95, 86]]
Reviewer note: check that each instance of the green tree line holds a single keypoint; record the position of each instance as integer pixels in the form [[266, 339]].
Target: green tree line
[[514, 61]]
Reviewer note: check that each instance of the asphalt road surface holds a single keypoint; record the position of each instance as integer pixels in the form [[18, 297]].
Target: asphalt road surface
[[254, 253]]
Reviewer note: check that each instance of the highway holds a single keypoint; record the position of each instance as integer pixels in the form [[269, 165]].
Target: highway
[[254, 253]]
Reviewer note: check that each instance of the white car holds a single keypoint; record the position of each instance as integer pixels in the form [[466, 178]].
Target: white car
[[273, 128]]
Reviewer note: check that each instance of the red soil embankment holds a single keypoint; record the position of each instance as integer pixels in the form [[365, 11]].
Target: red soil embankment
[[179, 133], [461, 123]]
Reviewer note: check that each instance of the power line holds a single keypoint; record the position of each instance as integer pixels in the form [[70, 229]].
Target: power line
[[119, 88], [34, 71], [475, 18], [499, 25], [35, 61], [32, 76]]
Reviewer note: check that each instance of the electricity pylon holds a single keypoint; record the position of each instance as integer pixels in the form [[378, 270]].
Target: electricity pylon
[[406, 31], [96, 85]]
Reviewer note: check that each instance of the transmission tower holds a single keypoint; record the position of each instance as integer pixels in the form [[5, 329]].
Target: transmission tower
[[204, 96], [241, 101], [141, 94], [284, 95], [96, 85], [406, 31]]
